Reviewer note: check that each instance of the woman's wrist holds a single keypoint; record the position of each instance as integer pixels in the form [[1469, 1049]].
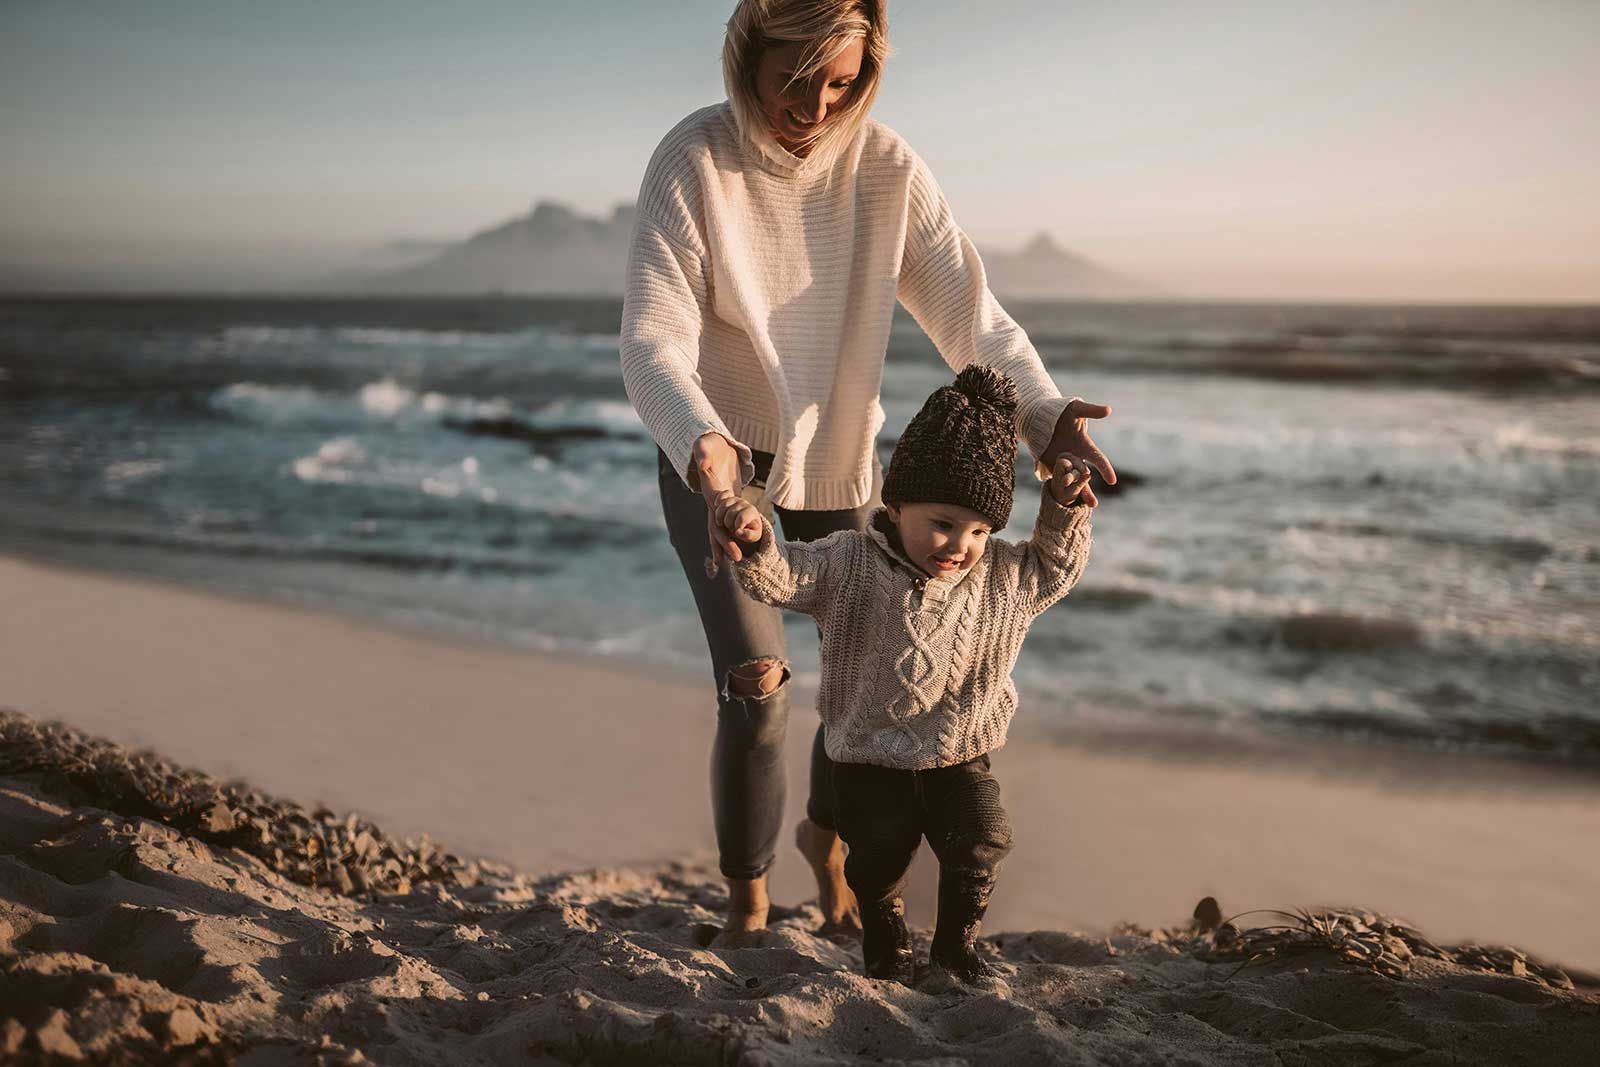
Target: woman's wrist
[[715, 464]]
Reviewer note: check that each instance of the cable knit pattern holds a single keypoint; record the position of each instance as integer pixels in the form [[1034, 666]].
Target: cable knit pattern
[[916, 671], [759, 295]]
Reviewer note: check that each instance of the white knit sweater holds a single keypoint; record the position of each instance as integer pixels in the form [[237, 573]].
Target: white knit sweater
[[916, 671], [760, 292]]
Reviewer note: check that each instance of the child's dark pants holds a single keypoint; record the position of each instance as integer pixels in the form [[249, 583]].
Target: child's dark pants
[[883, 814]]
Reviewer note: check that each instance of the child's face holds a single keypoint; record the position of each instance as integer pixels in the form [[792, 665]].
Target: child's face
[[941, 538]]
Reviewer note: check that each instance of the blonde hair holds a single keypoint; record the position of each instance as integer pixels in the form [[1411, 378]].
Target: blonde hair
[[827, 27]]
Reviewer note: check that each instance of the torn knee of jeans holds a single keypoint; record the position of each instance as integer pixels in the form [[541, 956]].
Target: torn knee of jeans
[[759, 678]]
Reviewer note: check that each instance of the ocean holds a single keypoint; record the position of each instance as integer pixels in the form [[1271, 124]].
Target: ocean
[[1373, 523]]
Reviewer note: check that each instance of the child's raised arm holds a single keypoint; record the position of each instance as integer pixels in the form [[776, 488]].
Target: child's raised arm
[[1054, 557], [785, 574]]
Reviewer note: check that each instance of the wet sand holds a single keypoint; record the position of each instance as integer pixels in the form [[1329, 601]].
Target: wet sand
[[556, 763]]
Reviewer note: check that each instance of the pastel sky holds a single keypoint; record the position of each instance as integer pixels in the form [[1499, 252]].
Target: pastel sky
[[1364, 150]]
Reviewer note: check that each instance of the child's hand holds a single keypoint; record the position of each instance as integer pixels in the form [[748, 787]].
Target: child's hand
[[739, 517], [1069, 482]]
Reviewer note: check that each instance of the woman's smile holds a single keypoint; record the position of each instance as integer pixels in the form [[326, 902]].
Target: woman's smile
[[818, 96]]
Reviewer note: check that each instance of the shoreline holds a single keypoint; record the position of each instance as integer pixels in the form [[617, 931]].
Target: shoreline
[[1382, 759], [549, 762]]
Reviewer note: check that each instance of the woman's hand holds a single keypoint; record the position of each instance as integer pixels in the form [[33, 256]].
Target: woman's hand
[[714, 464], [1069, 482], [1072, 438]]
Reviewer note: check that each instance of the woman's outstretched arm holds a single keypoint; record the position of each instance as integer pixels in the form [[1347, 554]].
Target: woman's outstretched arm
[[944, 286]]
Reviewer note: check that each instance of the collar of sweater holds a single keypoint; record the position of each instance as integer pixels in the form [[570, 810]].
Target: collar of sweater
[[761, 148], [886, 535]]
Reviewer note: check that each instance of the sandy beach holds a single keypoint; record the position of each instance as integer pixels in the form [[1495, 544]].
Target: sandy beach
[[554, 766]]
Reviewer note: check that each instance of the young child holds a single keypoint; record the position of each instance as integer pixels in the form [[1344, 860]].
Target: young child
[[922, 616]]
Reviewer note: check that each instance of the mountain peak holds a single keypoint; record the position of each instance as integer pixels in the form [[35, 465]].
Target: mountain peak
[[551, 209], [1044, 248], [1041, 242]]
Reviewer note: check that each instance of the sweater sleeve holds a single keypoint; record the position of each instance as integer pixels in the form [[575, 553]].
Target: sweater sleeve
[[664, 308], [1053, 559], [798, 575], [944, 286]]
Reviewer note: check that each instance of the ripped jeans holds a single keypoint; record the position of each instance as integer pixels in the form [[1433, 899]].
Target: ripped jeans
[[748, 788]]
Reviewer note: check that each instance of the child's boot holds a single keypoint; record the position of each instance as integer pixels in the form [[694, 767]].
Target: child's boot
[[963, 898], [885, 941]]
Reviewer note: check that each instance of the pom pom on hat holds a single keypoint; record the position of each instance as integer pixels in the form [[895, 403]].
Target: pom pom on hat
[[983, 384]]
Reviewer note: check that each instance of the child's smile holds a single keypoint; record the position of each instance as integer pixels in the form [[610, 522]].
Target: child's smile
[[941, 539]]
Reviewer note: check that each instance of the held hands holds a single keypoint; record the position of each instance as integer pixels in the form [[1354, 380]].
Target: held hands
[[1069, 482], [1071, 437], [735, 519], [738, 517], [714, 470]]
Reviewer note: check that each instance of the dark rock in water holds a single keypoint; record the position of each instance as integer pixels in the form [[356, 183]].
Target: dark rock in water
[[1110, 598], [545, 440], [1443, 696], [1331, 632], [1522, 549], [1125, 480]]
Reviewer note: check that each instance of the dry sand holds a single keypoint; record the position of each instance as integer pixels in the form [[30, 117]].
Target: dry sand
[[124, 941], [554, 764]]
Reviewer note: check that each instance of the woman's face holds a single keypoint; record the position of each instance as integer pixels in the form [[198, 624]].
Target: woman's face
[[797, 112]]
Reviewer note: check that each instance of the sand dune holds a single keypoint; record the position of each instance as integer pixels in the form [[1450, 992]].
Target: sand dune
[[123, 940]]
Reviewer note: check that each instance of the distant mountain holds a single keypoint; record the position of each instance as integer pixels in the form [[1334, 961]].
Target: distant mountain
[[554, 250], [1045, 271]]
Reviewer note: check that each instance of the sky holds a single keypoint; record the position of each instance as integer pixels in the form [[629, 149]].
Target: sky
[[1430, 150]]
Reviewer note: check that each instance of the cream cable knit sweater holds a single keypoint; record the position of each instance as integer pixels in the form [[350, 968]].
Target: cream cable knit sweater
[[760, 292], [916, 671]]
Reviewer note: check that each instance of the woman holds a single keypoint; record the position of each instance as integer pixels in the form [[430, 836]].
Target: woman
[[775, 232]]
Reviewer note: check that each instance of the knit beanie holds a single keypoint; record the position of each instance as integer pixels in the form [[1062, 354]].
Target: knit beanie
[[961, 448]]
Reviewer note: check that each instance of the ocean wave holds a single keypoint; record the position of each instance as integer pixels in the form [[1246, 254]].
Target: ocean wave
[[247, 336], [388, 401], [333, 462], [1523, 439], [132, 470], [244, 337], [346, 461], [385, 400]]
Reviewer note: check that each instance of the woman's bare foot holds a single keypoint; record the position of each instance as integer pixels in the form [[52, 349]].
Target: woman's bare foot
[[747, 905], [825, 852]]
